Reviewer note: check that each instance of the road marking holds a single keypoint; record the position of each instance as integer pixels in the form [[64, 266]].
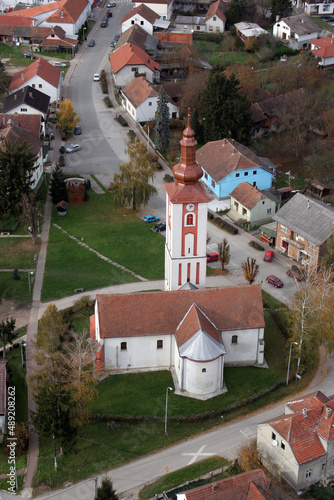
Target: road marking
[[247, 432], [197, 454]]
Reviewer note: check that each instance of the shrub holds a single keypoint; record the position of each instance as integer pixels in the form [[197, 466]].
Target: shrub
[[256, 245], [132, 135], [84, 306], [104, 83], [282, 50], [61, 161], [168, 178], [226, 226], [121, 120], [107, 102], [208, 37]]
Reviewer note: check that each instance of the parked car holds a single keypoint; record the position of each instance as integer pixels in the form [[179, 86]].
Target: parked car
[[96, 77], [160, 227], [29, 55], [104, 24], [72, 148], [116, 37], [109, 13], [212, 257], [296, 273], [77, 130], [59, 64], [150, 218], [274, 281], [113, 43], [91, 43], [62, 150], [111, 4], [268, 256]]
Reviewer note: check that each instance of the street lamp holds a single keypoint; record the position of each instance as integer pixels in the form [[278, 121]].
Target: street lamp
[[287, 375], [84, 32], [30, 279], [23, 344], [168, 389]]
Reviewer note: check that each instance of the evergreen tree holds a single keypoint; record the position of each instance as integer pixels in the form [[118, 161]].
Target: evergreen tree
[[106, 491], [226, 112], [233, 13], [4, 79], [17, 164], [281, 8], [162, 123], [58, 189], [196, 126], [6, 333]]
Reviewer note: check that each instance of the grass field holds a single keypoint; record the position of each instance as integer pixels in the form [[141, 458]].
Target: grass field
[[16, 290], [213, 53], [17, 252]]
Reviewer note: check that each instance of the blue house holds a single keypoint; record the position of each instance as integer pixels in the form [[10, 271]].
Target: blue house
[[227, 163]]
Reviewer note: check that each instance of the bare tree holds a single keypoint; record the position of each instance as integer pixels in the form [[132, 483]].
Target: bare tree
[[30, 211], [250, 269], [224, 253]]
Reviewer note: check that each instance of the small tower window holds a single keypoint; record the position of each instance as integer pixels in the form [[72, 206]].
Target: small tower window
[[203, 370], [190, 220]]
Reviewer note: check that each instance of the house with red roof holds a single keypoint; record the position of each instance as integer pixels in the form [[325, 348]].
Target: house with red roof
[[215, 18], [227, 163], [129, 62], [163, 8], [251, 205], [140, 100], [251, 485], [40, 75], [141, 15], [299, 444], [323, 49]]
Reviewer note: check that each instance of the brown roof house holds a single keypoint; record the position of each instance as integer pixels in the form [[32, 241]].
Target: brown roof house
[[252, 485], [304, 226], [215, 18], [297, 31], [251, 205], [143, 16], [227, 163], [298, 446], [190, 333]]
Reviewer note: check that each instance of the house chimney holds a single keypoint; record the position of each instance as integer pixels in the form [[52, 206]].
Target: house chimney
[[224, 142], [328, 412], [214, 487], [308, 204], [232, 141], [22, 77], [61, 14], [304, 412]]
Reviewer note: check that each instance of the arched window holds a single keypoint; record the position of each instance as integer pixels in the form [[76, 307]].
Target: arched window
[[203, 370], [234, 339], [190, 219]]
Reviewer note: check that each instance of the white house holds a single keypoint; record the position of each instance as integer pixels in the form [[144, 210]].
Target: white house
[[250, 204], [297, 31], [323, 49], [315, 7], [299, 445], [215, 18], [129, 62], [164, 8], [141, 15], [39, 75], [140, 100]]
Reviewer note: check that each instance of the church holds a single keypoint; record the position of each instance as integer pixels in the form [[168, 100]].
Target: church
[[192, 331]]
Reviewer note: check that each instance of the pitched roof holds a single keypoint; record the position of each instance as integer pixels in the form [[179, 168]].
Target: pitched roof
[[129, 54], [29, 96], [250, 485], [275, 106], [16, 20], [37, 10], [28, 122], [247, 195], [218, 9], [301, 24], [142, 10], [183, 193], [324, 47], [220, 158], [130, 315], [303, 429], [13, 133], [70, 12], [136, 35], [308, 217], [138, 90], [41, 68]]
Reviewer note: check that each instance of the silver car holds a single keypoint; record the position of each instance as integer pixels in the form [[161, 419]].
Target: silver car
[[72, 148]]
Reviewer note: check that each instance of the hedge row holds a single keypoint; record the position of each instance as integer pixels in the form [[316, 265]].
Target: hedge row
[[256, 245], [225, 225]]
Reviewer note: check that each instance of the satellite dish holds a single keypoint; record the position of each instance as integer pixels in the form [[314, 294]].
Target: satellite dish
[[274, 443]]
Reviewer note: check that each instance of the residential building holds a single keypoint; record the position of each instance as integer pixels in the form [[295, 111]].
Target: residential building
[[129, 62], [304, 226], [298, 446], [215, 18], [323, 49], [297, 31], [251, 485], [136, 35], [143, 16], [40, 75], [140, 100], [247, 30], [163, 8], [227, 163], [251, 205], [315, 7]]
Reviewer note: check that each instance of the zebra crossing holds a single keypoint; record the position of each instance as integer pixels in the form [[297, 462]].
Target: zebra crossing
[[247, 433]]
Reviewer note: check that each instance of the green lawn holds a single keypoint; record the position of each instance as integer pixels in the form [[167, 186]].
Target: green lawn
[[16, 290], [212, 52], [17, 252], [322, 24], [117, 234]]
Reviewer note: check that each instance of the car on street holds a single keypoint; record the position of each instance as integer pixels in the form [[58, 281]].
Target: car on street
[[296, 273], [59, 64], [29, 55], [160, 227], [109, 13], [96, 77], [274, 281], [268, 256], [77, 130], [113, 43], [150, 218], [116, 37], [72, 148], [212, 257], [111, 4], [91, 43]]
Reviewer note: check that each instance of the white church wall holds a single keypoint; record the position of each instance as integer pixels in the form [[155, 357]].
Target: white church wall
[[202, 225], [137, 352], [97, 323], [202, 378], [241, 346]]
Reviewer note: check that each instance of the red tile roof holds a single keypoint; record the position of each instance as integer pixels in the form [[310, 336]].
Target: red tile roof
[[41, 68], [324, 47], [126, 315], [36, 11], [143, 11], [194, 321], [247, 195], [12, 133], [182, 193], [16, 19], [28, 122], [250, 485], [130, 54], [220, 158], [70, 12], [217, 9], [138, 90]]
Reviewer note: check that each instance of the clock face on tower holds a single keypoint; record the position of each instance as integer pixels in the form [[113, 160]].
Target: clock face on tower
[[190, 207]]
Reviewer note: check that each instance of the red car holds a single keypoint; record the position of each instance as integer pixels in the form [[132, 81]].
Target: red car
[[268, 256], [212, 257], [274, 281]]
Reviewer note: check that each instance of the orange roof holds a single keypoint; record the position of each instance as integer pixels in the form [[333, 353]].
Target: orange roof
[[138, 90], [41, 68], [129, 54], [247, 195], [324, 47], [250, 485], [17, 19], [217, 9], [28, 122], [12, 133], [70, 12], [183, 193], [193, 321], [130, 315], [143, 11], [40, 9]]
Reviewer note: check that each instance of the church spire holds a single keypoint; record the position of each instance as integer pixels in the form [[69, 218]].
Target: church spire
[[188, 171]]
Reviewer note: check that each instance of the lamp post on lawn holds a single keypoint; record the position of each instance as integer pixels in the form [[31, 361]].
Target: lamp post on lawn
[[84, 32], [168, 389], [287, 375], [30, 279]]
